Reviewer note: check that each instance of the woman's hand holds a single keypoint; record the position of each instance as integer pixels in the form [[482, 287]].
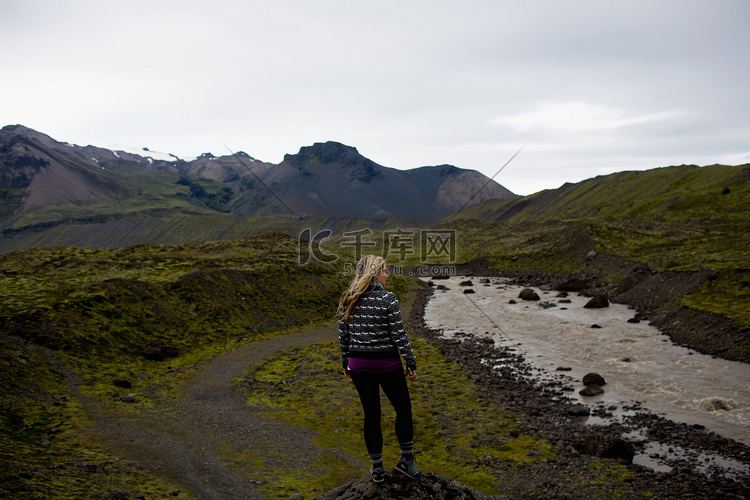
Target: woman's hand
[[346, 373], [412, 375]]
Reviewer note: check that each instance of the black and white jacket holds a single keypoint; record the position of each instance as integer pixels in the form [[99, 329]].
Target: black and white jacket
[[375, 330]]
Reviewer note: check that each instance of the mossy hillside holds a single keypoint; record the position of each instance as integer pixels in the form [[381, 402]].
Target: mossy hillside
[[664, 194], [44, 450], [53, 458], [92, 311], [457, 434], [165, 227], [728, 295], [132, 197]]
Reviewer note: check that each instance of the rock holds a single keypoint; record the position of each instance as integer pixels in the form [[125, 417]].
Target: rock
[[634, 320], [93, 468], [429, 486], [607, 447], [485, 281], [469, 290], [593, 379], [466, 283], [528, 294], [579, 411], [153, 353], [591, 390], [572, 285], [591, 255], [597, 301], [121, 382], [156, 350], [511, 301], [130, 398], [563, 368], [170, 352], [595, 326], [296, 496]]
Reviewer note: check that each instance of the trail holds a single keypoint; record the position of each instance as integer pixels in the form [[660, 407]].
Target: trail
[[209, 439]]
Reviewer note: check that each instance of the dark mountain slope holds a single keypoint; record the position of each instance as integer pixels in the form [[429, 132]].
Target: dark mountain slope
[[330, 179]]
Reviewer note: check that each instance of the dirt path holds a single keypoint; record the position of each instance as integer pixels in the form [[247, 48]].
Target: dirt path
[[210, 439]]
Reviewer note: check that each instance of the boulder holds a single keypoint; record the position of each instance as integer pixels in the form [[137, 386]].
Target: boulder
[[466, 283], [579, 411], [572, 285], [593, 379], [469, 290], [152, 352], [156, 350], [429, 486], [528, 294], [607, 447], [121, 382], [597, 301], [591, 390]]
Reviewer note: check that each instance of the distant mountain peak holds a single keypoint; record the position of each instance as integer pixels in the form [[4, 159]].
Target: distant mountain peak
[[335, 155], [326, 153]]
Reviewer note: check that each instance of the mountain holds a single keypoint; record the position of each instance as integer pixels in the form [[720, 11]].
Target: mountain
[[44, 183], [331, 179]]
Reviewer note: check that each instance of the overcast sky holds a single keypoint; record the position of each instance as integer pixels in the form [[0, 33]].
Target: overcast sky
[[590, 87]]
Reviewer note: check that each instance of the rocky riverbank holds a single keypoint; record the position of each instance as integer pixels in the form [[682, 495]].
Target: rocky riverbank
[[548, 413]]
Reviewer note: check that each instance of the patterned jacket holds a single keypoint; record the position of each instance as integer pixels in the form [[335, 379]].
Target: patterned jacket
[[375, 330]]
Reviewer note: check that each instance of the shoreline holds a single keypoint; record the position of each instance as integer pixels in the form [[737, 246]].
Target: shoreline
[[546, 412]]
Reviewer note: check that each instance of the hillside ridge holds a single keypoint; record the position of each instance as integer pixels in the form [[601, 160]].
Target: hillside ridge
[[43, 181]]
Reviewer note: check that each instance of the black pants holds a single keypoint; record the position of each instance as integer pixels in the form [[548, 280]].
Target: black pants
[[395, 388]]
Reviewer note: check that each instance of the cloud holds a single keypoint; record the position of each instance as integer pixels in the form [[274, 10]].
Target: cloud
[[577, 117], [591, 86]]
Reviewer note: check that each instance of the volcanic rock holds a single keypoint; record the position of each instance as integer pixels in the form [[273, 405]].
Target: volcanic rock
[[597, 301], [528, 294], [593, 379]]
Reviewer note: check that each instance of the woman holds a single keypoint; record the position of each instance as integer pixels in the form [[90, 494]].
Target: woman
[[371, 336]]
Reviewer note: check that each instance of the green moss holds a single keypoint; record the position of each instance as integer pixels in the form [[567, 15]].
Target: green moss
[[456, 434], [92, 311], [612, 478], [728, 295]]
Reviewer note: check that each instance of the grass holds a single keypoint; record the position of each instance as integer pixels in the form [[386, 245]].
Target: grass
[[456, 433], [92, 311]]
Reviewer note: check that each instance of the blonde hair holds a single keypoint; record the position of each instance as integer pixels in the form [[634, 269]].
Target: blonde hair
[[368, 267]]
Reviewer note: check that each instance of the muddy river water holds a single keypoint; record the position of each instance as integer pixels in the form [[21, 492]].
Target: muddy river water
[[638, 362]]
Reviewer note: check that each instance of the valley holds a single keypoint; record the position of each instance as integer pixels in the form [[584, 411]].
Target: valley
[[116, 299]]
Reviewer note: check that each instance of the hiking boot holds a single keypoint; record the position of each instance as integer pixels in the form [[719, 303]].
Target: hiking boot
[[378, 474], [408, 468]]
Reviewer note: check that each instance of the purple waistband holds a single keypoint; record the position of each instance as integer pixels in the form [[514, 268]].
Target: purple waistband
[[362, 365]]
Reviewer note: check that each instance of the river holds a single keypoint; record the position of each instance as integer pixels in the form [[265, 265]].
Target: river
[[638, 362]]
